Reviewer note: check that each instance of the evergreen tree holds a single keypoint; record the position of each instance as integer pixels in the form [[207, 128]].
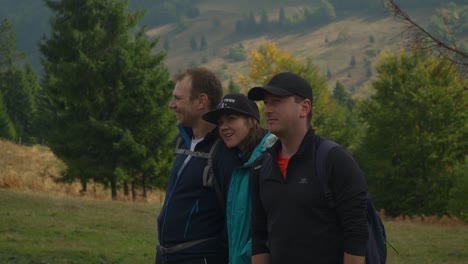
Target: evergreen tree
[[232, 86], [329, 74], [251, 25], [166, 45], [264, 24], [103, 92], [18, 84], [203, 43], [282, 18], [193, 43], [9, 56], [352, 63], [7, 130]]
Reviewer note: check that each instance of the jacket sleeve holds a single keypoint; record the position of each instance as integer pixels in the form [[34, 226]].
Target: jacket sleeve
[[348, 186], [259, 231]]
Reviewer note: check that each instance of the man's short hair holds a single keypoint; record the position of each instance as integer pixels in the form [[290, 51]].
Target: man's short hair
[[203, 81]]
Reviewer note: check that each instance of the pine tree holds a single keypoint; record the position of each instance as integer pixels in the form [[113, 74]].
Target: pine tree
[[282, 17], [264, 24], [103, 92], [193, 43], [7, 130], [232, 86], [18, 84], [166, 45], [352, 63], [203, 43]]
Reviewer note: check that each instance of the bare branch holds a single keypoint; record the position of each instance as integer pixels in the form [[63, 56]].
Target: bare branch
[[419, 37]]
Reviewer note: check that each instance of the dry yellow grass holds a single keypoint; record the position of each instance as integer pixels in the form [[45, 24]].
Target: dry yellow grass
[[36, 168]]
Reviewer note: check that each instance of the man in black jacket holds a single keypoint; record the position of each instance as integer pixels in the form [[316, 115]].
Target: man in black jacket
[[291, 221], [191, 225]]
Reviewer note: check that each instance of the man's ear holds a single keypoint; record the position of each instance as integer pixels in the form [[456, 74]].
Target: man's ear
[[306, 107], [203, 101]]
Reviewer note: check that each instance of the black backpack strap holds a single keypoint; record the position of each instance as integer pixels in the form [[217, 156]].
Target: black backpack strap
[[320, 168]]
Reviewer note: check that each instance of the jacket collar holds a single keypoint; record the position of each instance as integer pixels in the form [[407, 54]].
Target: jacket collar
[[305, 143], [187, 134]]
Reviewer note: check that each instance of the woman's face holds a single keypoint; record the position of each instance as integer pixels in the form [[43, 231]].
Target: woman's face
[[233, 129]]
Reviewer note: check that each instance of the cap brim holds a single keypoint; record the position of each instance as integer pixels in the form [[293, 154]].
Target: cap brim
[[258, 93], [213, 116]]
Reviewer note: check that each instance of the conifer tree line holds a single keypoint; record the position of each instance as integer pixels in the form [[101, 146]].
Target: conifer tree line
[[101, 107]]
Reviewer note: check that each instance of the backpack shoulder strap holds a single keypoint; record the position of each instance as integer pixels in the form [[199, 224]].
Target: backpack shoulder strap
[[188, 152], [208, 175], [321, 156], [209, 179]]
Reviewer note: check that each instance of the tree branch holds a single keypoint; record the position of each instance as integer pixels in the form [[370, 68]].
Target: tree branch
[[421, 38]]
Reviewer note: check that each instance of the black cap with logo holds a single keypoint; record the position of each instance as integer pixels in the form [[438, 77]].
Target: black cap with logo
[[234, 103], [283, 84]]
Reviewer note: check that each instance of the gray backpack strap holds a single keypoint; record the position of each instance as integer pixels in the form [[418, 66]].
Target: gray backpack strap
[[208, 171], [208, 175], [188, 152], [195, 154]]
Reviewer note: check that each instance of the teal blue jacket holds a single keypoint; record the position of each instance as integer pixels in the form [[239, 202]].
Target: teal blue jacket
[[239, 207]]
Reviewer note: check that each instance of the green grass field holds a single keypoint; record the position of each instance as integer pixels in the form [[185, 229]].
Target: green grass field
[[38, 228]]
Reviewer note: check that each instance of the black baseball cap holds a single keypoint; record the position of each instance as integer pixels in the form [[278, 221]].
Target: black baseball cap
[[283, 84], [233, 104]]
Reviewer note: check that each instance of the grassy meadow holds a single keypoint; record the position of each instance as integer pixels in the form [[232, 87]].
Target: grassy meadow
[[41, 228], [42, 221]]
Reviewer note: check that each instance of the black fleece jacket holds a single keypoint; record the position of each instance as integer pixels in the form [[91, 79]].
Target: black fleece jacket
[[291, 219]]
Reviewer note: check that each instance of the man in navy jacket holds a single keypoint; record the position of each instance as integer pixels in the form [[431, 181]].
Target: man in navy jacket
[[191, 225]]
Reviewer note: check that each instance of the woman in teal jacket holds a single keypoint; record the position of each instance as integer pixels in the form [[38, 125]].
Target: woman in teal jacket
[[238, 119]]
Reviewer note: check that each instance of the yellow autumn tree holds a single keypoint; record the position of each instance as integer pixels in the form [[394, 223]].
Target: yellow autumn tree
[[329, 118]]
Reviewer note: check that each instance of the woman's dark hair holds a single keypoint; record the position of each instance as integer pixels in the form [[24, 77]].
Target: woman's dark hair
[[255, 135]]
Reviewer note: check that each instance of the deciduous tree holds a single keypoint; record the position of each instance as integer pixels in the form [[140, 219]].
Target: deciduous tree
[[417, 129]]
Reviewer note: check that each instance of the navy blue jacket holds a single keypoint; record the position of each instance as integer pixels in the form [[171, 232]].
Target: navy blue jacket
[[192, 211]]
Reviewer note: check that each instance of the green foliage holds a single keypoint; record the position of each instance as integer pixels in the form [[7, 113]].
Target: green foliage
[[342, 37], [7, 129], [103, 92], [342, 96], [372, 53], [160, 12], [216, 22], [167, 44], [450, 23], [457, 205], [203, 43], [282, 17], [264, 23], [237, 53], [18, 85], [352, 63], [233, 87], [193, 43], [20, 88], [417, 130]]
